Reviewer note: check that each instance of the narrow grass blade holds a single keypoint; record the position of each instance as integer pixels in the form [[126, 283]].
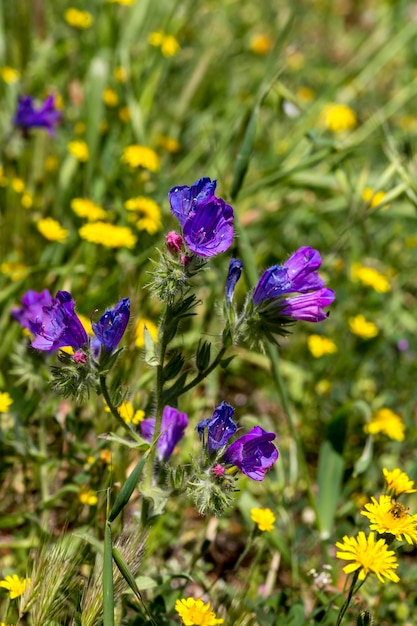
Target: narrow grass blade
[[127, 490], [108, 595]]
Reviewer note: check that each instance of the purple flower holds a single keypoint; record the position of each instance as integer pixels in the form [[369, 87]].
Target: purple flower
[[207, 221], [46, 116], [173, 426], [33, 303], [111, 326], [220, 427], [56, 325], [253, 454], [233, 275], [297, 275]]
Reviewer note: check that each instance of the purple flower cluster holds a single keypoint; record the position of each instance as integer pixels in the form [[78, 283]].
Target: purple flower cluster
[[28, 116], [173, 427], [279, 283], [206, 221], [54, 323], [254, 453]]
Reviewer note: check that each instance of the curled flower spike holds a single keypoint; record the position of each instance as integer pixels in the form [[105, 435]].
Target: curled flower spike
[[220, 427], [28, 116], [207, 221], [253, 454], [173, 427], [111, 326]]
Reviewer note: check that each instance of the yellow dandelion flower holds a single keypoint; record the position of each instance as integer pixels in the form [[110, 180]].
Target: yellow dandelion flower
[[52, 230], [87, 496], [129, 415], [305, 94], [108, 235], [18, 185], [140, 329], [370, 277], [168, 143], [337, 118], [362, 327], [124, 114], [27, 200], [120, 74], [110, 97], [264, 518], [398, 482], [170, 46], [319, 346], [386, 421], [368, 556], [196, 613], [15, 271], [148, 212], [79, 149], [78, 19], [51, 163], [105, 456], [5, 401], [156, 38], [261, 44], [15, 586], [141, 156], [323, 387], [389, 516], [373, 198], [83, 207], [9, 75]]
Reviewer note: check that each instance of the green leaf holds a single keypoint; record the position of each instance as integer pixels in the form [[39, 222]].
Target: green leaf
[[108, 595], [127, 490], [330, 474], [151, 354]]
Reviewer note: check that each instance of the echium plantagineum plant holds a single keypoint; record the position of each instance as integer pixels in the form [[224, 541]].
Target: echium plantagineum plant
[[283, 295]]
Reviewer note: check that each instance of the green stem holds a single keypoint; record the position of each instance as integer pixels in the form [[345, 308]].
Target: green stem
[[249, 545], [43, 472], [352, 591], [115, 412], [202, 375]]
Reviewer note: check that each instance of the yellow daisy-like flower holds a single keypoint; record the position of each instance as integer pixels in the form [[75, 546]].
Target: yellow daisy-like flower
[[196, 613], [105, 456], [140, 329], [51, 163], [260, 44], [15, 271], [389, 516], [78, 19], [5, 401], [15, 585], [108, 235], [319, 346], [170, 46], [124, 114], [27, 200], [305, 94], [373, 198], [148, 212], [386, 421], [83, 207], [18, 185], [369, 556], [9, 75], [398, 482], [87, 496], [120, 74], [264, 518], [52, 230], [362, 327], [141, 156], [370, 277], [168, 143], [129, 415], [337, 118], [156, 38], [110, 97], [79, 149]]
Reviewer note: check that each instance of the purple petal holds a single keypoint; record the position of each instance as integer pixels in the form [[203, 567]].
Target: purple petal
[[112, 324]]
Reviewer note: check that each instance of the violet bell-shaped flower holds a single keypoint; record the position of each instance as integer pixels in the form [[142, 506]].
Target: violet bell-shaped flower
[[206, 220], [28, 116], [220, 427], [111, 326], [254, 453], [173, 427], [57, 325]]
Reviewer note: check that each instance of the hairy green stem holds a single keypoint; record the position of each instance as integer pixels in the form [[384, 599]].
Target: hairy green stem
[[115, 412]]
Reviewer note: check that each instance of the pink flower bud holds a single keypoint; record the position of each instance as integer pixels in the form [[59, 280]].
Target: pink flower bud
[[174, 242]]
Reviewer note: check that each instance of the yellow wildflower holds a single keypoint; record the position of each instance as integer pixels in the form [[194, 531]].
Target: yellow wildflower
[[389, 516], [156, 38], [79, 149], [5, 401], [78, 19], [295, 59], [18, 185], [124, 114], [105, 456], [27, 200], [319, 346], [305, 94], [196, 613], [9, 75], [110, 97], [264, 518], [15, 271], [141, 156], [87, 496], [168, 143], [323, 387], [83, 207], [52, 230], [120, 74], [123, 2], [408, 123], [51, 163], [368, 555], [398, 482], [168, 44], [108, 235], [140, 329], [129, 415], [362, 327], [148, 212], [15, 586], [337, 118], [261, 44], [372, 197], [370, 277], [386, 421]]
